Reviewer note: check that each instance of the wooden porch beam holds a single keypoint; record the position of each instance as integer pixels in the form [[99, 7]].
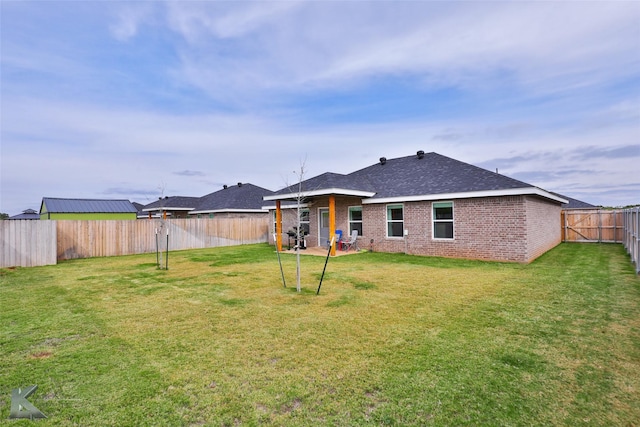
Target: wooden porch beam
[[332, 222], [278, 226]]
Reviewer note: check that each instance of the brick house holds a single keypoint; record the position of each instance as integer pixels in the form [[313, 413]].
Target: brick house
[[243, 200], [234, 201], [426, 204]]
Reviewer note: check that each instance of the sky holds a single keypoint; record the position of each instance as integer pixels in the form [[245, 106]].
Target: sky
[[140, 100]]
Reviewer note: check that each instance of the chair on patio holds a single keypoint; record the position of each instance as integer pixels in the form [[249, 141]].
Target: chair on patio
[[338, 240], [352, 242]]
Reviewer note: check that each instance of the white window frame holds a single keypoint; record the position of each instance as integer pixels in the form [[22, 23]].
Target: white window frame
[[350, 221], [389, 221], [434, 220], [307, 221]]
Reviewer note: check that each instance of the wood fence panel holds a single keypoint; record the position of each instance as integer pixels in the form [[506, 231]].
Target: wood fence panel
[[592, 225], [84, 239], [631, 241], [27, 243]]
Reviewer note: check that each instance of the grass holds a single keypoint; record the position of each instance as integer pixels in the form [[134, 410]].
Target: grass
[[391, 340]]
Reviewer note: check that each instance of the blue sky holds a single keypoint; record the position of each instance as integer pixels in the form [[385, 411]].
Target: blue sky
[[144, 99]]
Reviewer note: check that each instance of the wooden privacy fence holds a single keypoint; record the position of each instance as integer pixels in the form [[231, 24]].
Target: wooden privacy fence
[[592, 225], [631, 219], [22, 246], [25, 243], [599, 225]]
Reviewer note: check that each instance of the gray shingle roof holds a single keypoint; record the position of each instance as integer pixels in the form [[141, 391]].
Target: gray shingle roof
[[417, 176], [56, 205], [239, 197], [172, 203], [575, 203], [431, 174], [26, 214], [330, 180]]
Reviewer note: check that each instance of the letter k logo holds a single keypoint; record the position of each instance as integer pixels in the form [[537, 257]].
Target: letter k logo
[[21, 407]]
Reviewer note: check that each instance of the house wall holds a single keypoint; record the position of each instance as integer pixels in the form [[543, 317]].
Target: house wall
[[494, 228], [544, 226], [231, 215], [510, 228], [289, 219]]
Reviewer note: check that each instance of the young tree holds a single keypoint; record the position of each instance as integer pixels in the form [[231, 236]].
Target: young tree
[[299, 231]]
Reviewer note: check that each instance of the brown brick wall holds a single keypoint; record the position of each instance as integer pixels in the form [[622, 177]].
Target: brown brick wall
[[495, 228], [509, 228], [544, 229]]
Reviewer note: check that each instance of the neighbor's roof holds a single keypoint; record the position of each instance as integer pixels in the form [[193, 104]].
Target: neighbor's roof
[[55, 205], [427, 176], [173, 203], [234, 198], [575, 203], [26, 214]]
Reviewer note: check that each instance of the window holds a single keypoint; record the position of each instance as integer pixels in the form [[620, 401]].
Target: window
[[355, 220], [275, 222], [395, 221], [304, 220], [443, 220]]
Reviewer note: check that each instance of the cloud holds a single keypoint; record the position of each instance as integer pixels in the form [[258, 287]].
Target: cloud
[[189, 173], [315, 46], [129, 18]]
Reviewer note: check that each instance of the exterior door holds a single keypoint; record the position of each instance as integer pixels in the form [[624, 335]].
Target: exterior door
[[323, 226]]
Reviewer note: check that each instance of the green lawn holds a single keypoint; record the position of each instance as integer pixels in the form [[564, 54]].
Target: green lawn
[[390, 340]]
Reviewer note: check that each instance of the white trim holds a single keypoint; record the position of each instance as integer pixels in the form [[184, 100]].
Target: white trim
[[527, 191], [349, 231], [166, 208], [320, 208], [292, 206], [433, 221], [321, 192], [228, 211], [386, 222]]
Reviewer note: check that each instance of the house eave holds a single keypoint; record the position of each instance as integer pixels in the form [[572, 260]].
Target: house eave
[[166, 208], [526, 191], [320, 192], [226, 211], [292, 206]]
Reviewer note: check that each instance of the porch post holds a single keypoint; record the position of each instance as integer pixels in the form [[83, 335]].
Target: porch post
[[332, 222], [278, 226]]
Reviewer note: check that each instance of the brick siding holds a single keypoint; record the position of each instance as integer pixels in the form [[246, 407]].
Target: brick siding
[[508, 228]]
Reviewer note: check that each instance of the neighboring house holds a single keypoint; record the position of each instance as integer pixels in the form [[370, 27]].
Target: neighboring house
[[575, 203], [429, 204], [170, 207], [237, 201], [26, 214], [55, 208]]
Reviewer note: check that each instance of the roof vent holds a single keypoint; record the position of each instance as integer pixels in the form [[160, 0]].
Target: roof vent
[[383, 160], [224, 186], [239, 184], [420, 154]]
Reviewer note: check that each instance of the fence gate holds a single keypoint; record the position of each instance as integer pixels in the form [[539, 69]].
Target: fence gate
[[592, 225]]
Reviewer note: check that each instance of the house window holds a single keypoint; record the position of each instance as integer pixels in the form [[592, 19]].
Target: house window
[[304, 220], [355, 220], [395, 220], [443, 220], [275, 221]]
